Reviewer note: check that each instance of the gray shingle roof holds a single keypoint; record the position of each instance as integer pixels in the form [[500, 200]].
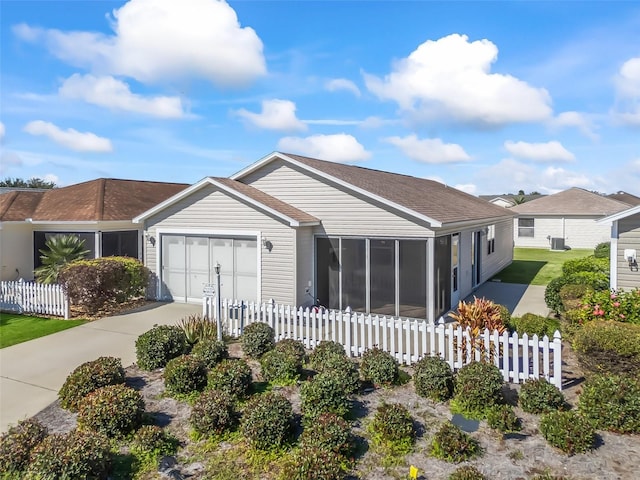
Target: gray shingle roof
[[574, 201]]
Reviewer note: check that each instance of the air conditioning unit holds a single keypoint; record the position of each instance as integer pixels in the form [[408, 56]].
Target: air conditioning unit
[[557, 244]]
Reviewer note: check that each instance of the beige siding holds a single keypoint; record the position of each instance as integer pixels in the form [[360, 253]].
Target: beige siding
[[209, 211], [578, 232], [342, 212], [503, 254], [628, 238], [16, 251]]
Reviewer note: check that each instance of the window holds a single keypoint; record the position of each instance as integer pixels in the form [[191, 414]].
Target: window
[[40, 238], [491, 239], [525, 227], [123, 244]]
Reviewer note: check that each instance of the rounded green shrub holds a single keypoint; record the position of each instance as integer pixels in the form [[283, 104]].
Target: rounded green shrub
[[88, 377], [433, 379], [324, 350], [586, 264], [453, 445], [328, 432], [17, 444], [539, 396], [552, 294], [213, 413], [323, 394], [278, 366], [185, 374], [533, 324], [157, 346], [569, 431], [114, 410], [267, 421], [151, 442], [211, 351], [292, 347], [503, 419], [232, 376], [77, 454], [572, 295], [608, 347], [478, 386], [313, 464], [602, 250], [392, 423], [612, 402], [257, 339], [378, 367], [344, 370], [593, 280], [467, 472]]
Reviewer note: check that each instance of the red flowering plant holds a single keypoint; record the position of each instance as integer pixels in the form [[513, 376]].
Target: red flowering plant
[[618, 305]]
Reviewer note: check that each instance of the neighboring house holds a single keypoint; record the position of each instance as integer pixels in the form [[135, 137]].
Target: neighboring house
[[625, 198], [625, 247], [564, 220], [99, 211], [295, 229], [508, 200]]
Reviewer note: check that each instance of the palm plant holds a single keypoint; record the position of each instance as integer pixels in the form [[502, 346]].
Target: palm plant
[[60, 250]]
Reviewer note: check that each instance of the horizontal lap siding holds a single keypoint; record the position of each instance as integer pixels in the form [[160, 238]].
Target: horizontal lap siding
[[16, 251], [578, 232], [491, 264], [209, 210], [586, 233], [628, 237], [341, 212]]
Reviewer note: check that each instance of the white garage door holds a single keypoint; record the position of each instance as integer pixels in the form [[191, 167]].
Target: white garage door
[[188, 263]]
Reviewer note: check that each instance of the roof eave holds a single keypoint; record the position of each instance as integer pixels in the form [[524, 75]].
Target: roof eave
[[620, 215]]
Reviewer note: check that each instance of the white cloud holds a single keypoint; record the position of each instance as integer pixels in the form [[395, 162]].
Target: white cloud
[[114, 94], [160, 40], [340, 148], [50, 177], [70, 138], [429, 150], [576, 120], [8, 161], [540, 152], [2, 131], [336, 84], [627, 84], [276, 115], [451, 78], [467, 187]]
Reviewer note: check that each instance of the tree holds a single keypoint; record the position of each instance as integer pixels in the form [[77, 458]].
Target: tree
[[60, 250], [520, 192], [519, 200], [33, 182]]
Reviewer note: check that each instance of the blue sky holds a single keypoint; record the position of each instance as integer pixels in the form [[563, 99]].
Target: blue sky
[[489, 97]]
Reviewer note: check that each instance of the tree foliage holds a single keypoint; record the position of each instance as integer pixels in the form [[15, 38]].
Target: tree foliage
[[33, 182], [59, 250]]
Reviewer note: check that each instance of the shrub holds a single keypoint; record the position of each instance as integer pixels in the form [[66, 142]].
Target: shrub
[[113, 410], [453, 445], [257, 339], [323, 394], [612, 402], [197, 328], [92, 284], [151, 442], [280, 366], [185, 374], [292, 347], [344, 370], [478, 387], [602, 250], [378, 367], [476, 316], [213, 413], [503, 418], [533, 324], [592, 280], [328, 432], [232, 376], [267, 421], [467, 473], [392, 424], [539, 396], [157, 346], [88, 377], [324, 350], [433, 379], [210, 351], [586, 264], [552, 294], [571, 296], [17, 444], [312, 464], [608, 347], [59, 250], [76, 454], [620, 306], [569, 431]]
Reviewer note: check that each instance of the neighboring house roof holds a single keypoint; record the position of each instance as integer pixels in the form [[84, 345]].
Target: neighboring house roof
[[574, 201], [104, 199], [294, 216], [426, 199], [620, 215], [510, 198], [625, 197]]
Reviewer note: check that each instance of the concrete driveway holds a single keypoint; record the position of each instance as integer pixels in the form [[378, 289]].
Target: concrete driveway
[[31, 373], [519, 299]]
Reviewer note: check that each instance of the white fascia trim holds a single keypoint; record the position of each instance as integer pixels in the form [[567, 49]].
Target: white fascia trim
[[59, 222], [251, 168], [613, 256], [620, 215]]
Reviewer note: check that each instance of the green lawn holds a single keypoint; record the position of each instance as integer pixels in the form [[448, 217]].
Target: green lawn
[[537, 266], [16, 328]]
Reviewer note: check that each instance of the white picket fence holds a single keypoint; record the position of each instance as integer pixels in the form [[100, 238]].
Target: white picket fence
[[31, 297], [518, 357]]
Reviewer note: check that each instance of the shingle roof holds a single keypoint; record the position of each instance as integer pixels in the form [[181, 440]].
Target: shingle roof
[[625, 198], [267, 200], [511, 197], [104, 199], [574, 201], [426, 197]]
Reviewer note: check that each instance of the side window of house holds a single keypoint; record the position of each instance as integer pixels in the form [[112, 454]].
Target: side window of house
[[491, 239], [525, 227]]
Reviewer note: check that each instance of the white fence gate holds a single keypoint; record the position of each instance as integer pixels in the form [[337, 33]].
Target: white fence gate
[[518, 357], [31, 297]]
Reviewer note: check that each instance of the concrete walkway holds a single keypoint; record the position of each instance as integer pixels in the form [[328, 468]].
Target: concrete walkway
[[31, 373], [519, 299]]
